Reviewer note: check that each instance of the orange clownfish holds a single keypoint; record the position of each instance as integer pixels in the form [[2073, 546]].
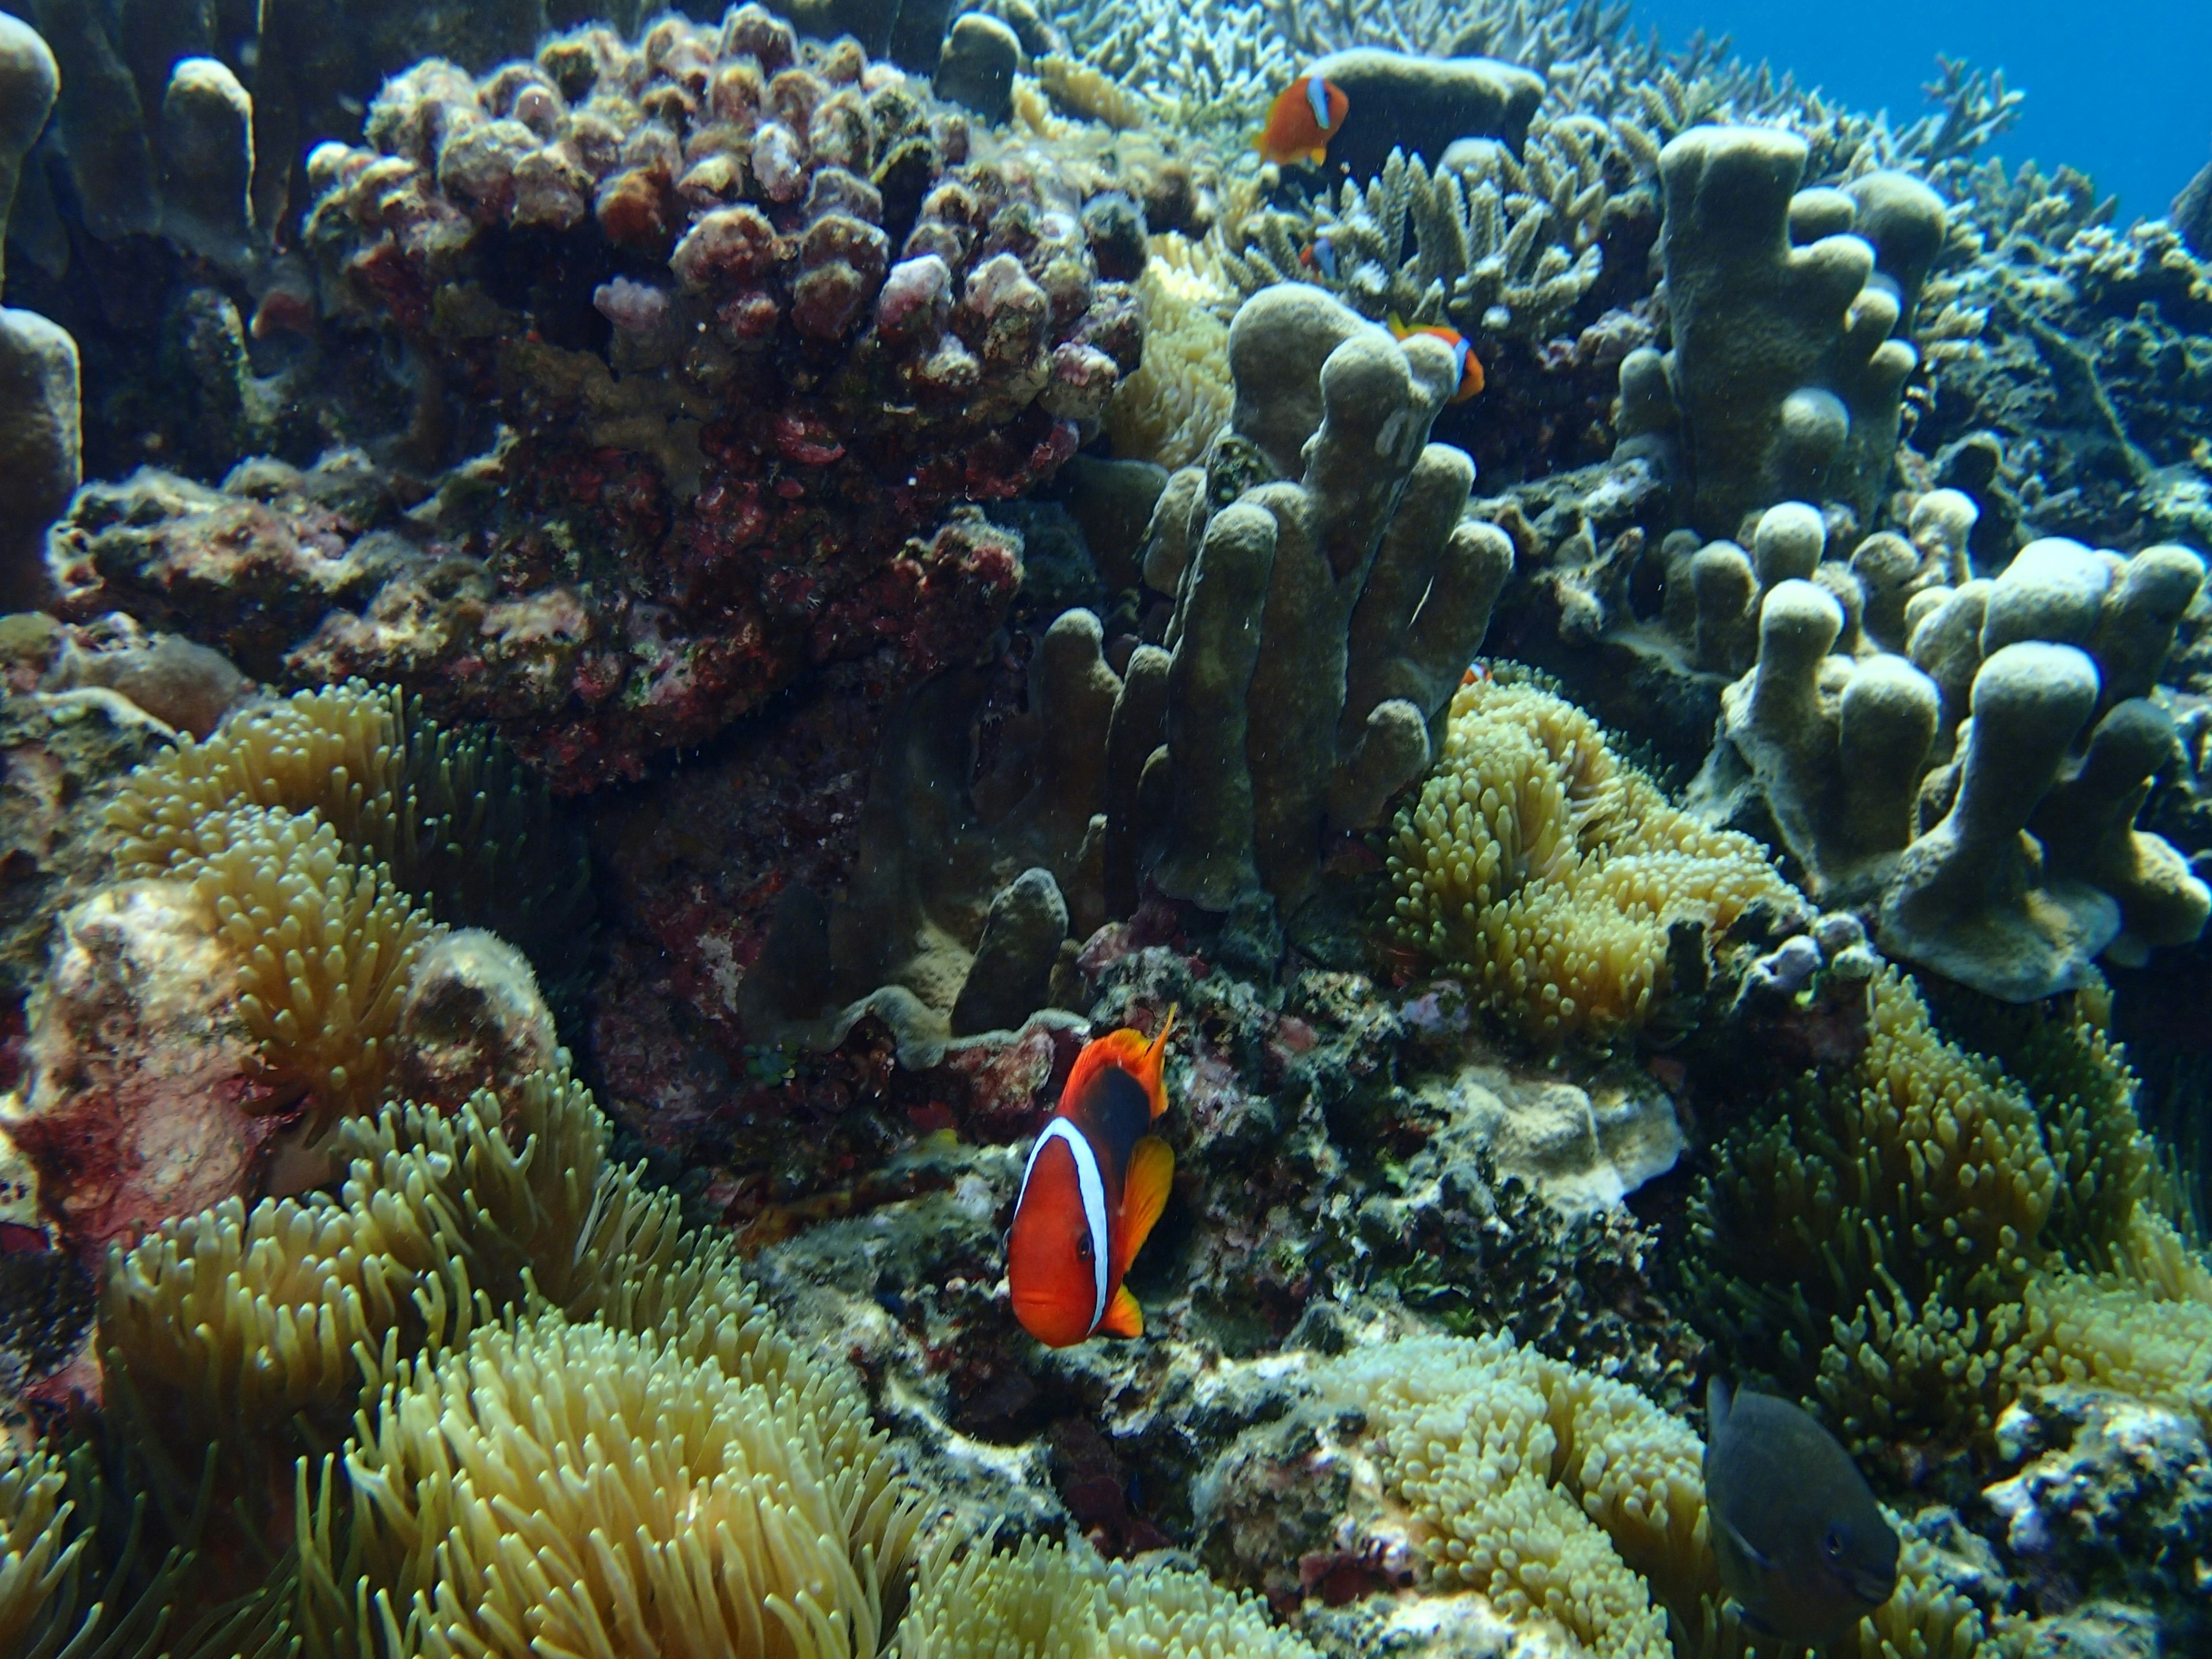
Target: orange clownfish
[[1463, 358], [1096, 1181], [1303, 117]]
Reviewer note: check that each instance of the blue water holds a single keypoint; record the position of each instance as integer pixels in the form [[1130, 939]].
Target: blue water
[[2121, 89]]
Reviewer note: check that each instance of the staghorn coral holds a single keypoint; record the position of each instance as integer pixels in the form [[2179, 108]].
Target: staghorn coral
[[760, 1515], [1500, 247], [1551, 874]]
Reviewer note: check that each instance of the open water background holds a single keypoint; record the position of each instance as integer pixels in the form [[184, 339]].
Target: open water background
[[2119, 88]]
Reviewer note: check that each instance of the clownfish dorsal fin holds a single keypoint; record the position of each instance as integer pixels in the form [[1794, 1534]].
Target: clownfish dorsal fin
[[1153, 1061], [1144, 1196], [1123, 1317]]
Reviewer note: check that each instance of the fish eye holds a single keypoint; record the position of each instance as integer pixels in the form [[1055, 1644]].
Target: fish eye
[[1083, 1249], [1831, 1546]]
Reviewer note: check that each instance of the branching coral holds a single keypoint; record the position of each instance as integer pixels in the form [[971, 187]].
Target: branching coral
[[1496, 245], [1551, 874]]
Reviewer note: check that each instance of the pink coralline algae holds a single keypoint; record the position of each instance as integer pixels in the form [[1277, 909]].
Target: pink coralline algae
[[733, 322]]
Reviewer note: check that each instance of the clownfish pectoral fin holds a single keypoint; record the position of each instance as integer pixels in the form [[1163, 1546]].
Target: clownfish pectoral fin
[[1123, 1317], [1318, 156], [1144, 1196]]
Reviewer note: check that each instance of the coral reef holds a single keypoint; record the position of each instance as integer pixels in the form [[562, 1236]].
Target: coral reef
[[686, 523], [951, 519], [1786, 376], [1983, 792], [1320, 625]]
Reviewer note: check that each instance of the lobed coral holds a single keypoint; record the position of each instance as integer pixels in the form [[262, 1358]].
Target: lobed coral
[[1982, 789], [817, 324], [1552, 875]]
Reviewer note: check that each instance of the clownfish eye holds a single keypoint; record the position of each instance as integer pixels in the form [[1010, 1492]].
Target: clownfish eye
[[1083, 1249], [1833, 1545]]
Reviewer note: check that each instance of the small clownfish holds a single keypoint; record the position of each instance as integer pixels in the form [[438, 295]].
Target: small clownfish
[[1096, 1180], [1303, 117], [1321, 257], [1463, 358]]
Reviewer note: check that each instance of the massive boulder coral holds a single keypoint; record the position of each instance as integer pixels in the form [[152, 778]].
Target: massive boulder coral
[[749, 320], [1788, 366], [1981, 789]]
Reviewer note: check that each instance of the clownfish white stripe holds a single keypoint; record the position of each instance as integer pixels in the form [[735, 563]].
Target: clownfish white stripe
[[1317, 98], [1093, 1185]]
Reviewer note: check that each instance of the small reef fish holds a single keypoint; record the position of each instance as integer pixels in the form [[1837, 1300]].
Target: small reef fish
[[1096, 1181], [1803, 1545], [1463, 358], [1303, 117], [1319, 257]]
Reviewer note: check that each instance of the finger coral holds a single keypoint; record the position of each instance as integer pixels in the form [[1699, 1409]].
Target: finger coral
[[1550, 874], [1984, 787]]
